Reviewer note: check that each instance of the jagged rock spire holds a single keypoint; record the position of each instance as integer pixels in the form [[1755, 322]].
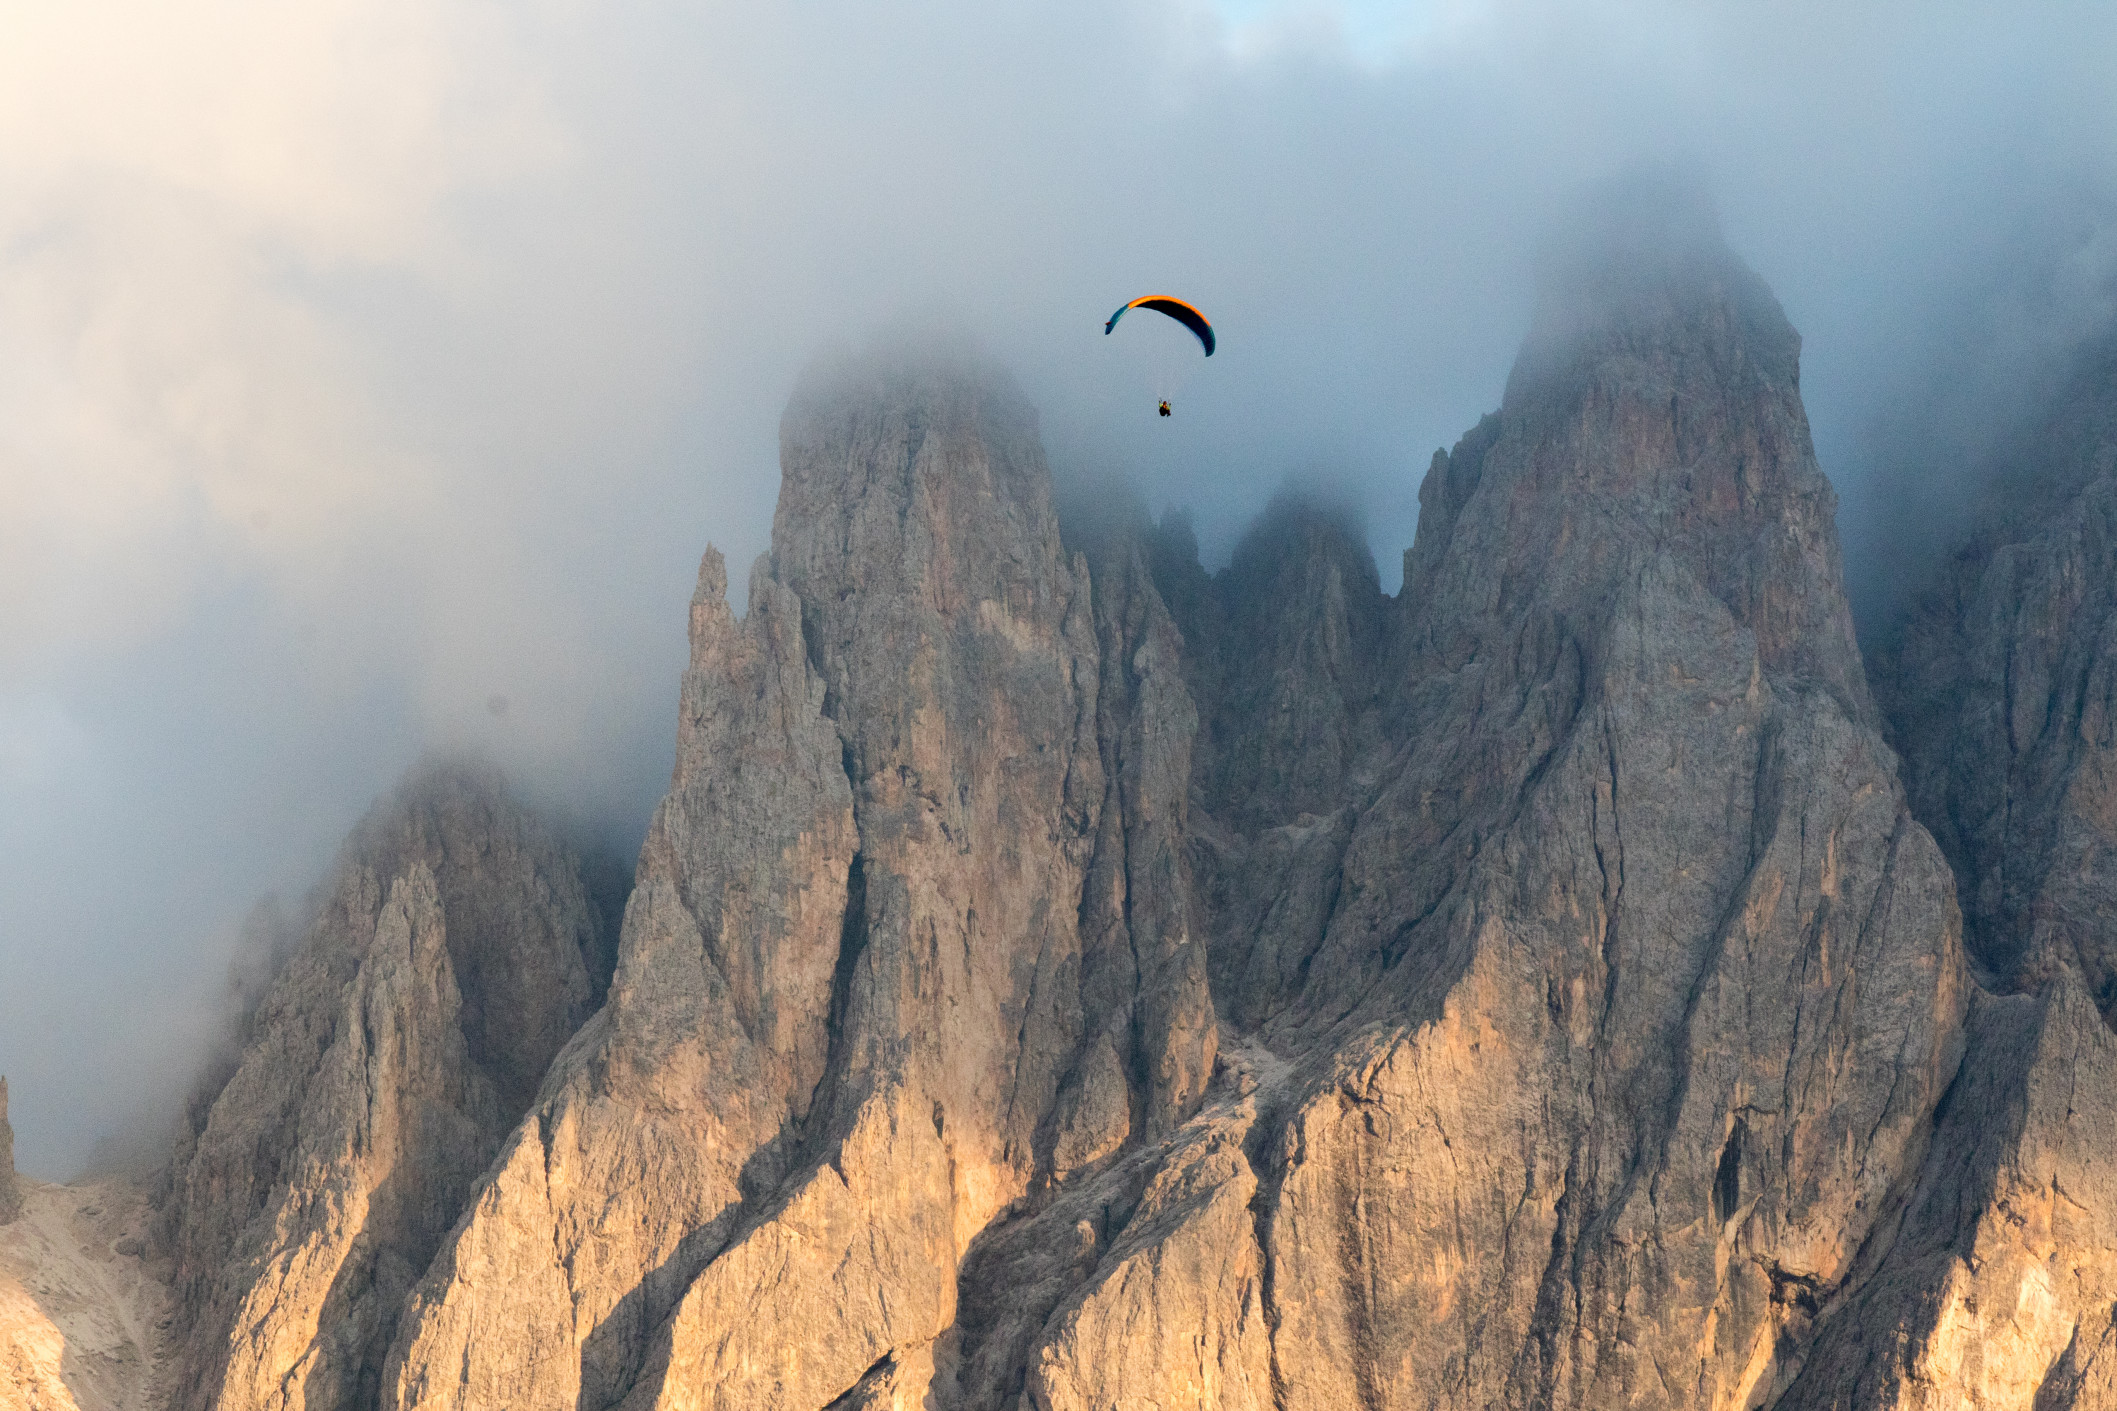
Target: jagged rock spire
[[910, 946], [1637, 979], [1655, 407]]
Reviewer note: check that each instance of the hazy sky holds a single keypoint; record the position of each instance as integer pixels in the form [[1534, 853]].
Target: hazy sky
[[365, 361]]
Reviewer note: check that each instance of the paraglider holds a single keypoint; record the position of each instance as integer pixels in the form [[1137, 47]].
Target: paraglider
[[1175, 308]]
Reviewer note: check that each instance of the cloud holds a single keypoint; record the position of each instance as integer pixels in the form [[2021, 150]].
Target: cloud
[[174, 181], [364, 361]]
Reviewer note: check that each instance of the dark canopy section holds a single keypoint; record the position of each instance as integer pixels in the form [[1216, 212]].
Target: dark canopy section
[[1175, 308]]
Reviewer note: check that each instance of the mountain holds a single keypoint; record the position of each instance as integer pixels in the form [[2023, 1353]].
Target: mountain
[[446, 965], [85, 1312], [1614, 1001], [2004, 695], [907, 949], [1060, 978]]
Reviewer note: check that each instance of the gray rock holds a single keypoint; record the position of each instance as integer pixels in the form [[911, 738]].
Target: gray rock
[[686, 1099], [1995, 1278], [443, 971], [2003, 692], [1639, 981], [945, 783], [1996, 1288], [1283, 646]]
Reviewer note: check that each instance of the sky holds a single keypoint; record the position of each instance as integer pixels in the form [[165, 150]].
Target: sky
[[373, 372]]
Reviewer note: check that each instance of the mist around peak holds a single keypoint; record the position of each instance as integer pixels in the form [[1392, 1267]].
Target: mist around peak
[[1636, 262]]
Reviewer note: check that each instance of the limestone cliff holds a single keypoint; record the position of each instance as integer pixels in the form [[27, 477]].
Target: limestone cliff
[[2004, 694], [84, 1311], [2002, 690], [1283, 648], [1597, 1030], [441, 974], [1994, 1279]]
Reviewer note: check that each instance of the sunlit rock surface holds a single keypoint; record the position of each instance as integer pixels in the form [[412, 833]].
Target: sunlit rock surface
[[910, 944], [446, 965], [84, 1309], [1616, 1000]]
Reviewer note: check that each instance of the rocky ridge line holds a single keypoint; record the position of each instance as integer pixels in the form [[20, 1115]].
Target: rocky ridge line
[[909, 945]]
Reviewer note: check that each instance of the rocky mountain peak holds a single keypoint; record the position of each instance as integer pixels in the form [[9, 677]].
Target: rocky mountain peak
[[1304, 623], [1281, 650], [910, 947], [914, 506], [1644, 268], [924, 461], [1653, 414]]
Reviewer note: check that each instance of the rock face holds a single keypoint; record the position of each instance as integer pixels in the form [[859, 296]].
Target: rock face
[[2002, 690], [1286, 647], [909, 946], [84, 1312], [1618, 996], [1060, 979], [1997, 1278], [2004, 693], [10, 1196], [442, 973]]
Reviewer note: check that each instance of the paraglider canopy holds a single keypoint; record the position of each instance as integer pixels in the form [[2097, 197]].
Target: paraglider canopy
[[1175, 308]]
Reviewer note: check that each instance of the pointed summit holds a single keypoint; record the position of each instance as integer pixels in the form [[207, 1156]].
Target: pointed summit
[[1642, 266], [1058, 975], [910, 948], [1655, 410], [1632, 791]]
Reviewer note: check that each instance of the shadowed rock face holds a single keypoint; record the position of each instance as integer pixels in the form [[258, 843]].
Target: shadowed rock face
[[2002, 689], [442, 973], [1283, 647], [1064, 979], [2004, 695]]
